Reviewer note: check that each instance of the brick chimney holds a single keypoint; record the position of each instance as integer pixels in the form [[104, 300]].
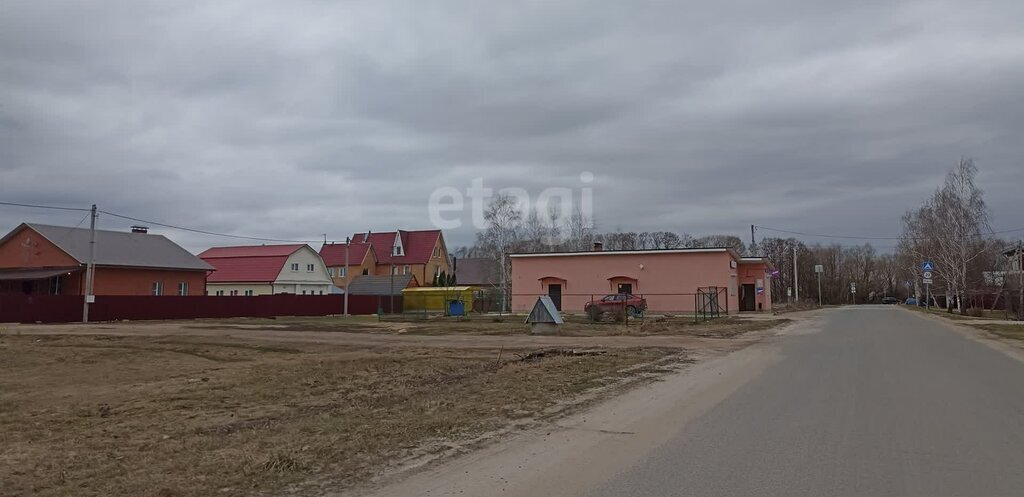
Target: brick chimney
[[598, 246]]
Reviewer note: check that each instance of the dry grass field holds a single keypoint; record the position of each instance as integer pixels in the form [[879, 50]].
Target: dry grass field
[[200, 416]]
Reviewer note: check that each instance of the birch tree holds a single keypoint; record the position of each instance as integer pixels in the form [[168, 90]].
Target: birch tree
[[950, 229]]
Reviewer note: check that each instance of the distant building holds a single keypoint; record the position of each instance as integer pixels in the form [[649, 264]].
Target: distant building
[[420, 253], [668, 279], [266, 270], [382, 285], [39, 259], [362, 261], [1015, 256], [481, 272]]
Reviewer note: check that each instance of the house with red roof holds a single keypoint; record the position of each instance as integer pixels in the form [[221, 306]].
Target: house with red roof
[[266, 270], [362, 261], [422, 253]]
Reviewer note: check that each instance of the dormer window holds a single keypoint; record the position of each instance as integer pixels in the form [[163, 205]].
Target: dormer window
[[397, 248]]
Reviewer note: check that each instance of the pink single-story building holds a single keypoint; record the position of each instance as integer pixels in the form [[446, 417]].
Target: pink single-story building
[[670, 280]]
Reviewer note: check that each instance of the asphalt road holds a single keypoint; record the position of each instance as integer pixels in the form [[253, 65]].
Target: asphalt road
[[879, 402]]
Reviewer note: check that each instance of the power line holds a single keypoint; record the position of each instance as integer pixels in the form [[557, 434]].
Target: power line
[[171, 226], [850, 237], [52, 207], [204, 232]]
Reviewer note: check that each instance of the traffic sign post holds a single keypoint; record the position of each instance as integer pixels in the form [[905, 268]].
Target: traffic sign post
[[818, 268], [926, 277]]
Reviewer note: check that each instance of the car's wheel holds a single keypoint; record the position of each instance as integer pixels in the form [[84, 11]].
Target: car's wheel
[[632, 311]]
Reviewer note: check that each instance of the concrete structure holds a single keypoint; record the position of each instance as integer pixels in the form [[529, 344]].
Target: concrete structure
[[420, 253], [38, 259], [544, 319], [266, 270], [668, 279], [362, 261]]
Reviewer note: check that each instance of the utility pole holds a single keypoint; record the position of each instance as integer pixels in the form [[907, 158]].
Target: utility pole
[[90, 268], [392, 292], [348, 242], [1020, 279], [796, 277], [752, 242]]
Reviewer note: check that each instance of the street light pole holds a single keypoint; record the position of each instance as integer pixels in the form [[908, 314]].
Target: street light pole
[[348, 242]]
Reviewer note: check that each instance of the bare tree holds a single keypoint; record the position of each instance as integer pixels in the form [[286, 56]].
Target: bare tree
[[950, 229], [504, 233], [578, 231]]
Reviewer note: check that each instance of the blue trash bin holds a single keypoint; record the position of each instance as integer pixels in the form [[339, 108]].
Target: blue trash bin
[[456, 308]]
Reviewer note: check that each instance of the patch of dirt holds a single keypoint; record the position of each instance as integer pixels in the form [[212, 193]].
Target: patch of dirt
[[213, 415]]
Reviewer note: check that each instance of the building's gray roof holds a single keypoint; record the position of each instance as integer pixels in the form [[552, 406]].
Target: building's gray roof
[[379, 285], [477, 272], [117, 248]]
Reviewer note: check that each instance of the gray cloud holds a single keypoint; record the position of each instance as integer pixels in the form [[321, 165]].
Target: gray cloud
[[289, 120]]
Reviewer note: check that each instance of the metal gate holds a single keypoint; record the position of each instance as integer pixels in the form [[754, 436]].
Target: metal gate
[[707, 303]]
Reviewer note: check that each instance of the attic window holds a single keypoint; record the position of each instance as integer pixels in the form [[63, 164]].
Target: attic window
[[398, 250], [437, 251]]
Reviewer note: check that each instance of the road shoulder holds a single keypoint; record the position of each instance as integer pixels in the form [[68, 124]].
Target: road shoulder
[[582, 450], [1010, 347]]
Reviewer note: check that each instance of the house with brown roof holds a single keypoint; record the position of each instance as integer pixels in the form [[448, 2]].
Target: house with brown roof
[[362, 261], [39, 259], [422, 253], [482, 272], [266, 270]]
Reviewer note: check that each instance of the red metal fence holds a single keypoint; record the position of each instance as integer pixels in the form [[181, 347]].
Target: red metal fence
[[68, 309]]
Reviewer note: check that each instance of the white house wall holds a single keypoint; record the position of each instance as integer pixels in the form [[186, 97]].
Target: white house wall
[[240, 288], [315, 282]]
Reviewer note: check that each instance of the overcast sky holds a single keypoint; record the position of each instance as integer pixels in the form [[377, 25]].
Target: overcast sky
[[292, 119]]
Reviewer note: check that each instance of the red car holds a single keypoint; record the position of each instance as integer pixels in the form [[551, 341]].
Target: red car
[[632, 304]]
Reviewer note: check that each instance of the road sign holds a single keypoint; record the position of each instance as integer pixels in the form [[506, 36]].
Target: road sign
[[927, 275], [927, 281], [818, 268], [927, 266], [853, 288]]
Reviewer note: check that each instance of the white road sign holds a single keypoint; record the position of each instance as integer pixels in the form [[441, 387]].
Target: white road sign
[[927, 275], [927, 281]]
